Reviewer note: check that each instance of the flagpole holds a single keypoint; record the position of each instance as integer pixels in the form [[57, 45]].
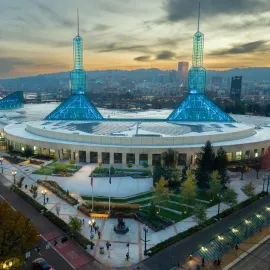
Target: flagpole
[[109, 189]]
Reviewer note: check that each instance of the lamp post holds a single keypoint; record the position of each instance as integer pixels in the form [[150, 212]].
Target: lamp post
[[14, 175], [144, 240], [1, 160], [91, 223], [43, 192]]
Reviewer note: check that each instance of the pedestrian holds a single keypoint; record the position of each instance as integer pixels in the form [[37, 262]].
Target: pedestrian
[[83, 221], [108, 245], [25, 186], [47, 199], [95, 228], [127, 256], [99, 234]]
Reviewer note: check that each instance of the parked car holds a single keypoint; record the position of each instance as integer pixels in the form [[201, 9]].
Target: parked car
[[40, 263]]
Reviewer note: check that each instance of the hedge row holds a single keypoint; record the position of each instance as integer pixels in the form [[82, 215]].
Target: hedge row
[[180, 236], [58, 191], [80, 239]]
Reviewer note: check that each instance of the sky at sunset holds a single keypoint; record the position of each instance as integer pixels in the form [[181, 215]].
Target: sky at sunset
[[36, 35]]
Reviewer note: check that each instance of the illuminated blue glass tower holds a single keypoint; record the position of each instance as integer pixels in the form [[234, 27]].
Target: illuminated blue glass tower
[[12, 101], [78, 75], [77, 106], [196, 106]]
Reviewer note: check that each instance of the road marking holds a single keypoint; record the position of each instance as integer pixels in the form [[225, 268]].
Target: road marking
[[59, 253], [8, 202]]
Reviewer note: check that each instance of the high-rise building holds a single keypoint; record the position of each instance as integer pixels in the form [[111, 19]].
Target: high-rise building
[[172, 76], [160, 78], [236, 87], [183, 71]]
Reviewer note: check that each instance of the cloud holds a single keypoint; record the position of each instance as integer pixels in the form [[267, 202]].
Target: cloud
[[101, 27], [165, 55], [61, 21], [143, 58], [178, 10], [251, 47]]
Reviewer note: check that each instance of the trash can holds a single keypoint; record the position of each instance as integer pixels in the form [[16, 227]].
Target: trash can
[[101, 250]]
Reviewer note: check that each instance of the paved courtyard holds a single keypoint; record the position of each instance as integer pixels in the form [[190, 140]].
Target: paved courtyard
[[116, 256]]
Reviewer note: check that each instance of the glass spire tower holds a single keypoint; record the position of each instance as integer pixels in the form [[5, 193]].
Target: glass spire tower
[[77, 106], [196, 106], [78, 75]]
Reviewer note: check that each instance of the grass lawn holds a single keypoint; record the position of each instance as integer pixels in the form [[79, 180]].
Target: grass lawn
[[68, 166], [44, 171]]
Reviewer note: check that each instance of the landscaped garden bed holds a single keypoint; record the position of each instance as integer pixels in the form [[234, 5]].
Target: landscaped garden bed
[[116, 209], [58, 169], [156, 223], [14, 159], [58, 191], [134, 173]]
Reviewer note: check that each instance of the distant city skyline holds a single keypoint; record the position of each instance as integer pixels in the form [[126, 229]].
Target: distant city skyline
[[36, 36]]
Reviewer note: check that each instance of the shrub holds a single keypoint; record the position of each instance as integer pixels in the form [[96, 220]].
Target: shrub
[[129, 165], [71, 161], [145, 165], [112, 170], [20, 182], [114, 207]]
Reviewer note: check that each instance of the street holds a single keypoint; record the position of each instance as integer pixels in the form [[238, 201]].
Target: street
[[258, 259], [68, 256]]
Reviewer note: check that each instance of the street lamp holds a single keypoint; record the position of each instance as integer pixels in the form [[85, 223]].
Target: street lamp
[[91, 223], [43, 192], [14, 175], [1, 160], [145, 241]]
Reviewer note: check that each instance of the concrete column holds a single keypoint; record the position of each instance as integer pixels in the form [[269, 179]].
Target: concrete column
[[87, 156], [137, 159], [150, 159], [111, 158], [61, 153], [99, 157], [124, 158], [76, 155], [47, 151]]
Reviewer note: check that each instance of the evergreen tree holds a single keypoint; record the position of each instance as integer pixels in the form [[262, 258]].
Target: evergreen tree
[[205, 162], [170, 158], [75, 224], [158, 171], [229, 197], [221, 163], [28, 151]]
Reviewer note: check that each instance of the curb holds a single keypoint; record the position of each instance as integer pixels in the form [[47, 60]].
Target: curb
[[233, 263]]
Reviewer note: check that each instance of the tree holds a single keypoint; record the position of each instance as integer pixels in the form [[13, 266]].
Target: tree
[[34, 191], [199, 213], [221, 163], [215, 185], [244, 168], [71, 161], [205, 162], [158, 171], [75, 224], [184, 174], [17, 233], [229, 197], [161, 192], [188, 189], [28, 151], [249, 189], [170, 158]]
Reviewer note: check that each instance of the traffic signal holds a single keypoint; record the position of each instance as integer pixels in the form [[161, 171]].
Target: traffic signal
[[64, 239], [55, 243]]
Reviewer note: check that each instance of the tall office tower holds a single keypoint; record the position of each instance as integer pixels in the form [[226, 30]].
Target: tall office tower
[[217, 81], [183, 71], [236, 87], [78, 75]]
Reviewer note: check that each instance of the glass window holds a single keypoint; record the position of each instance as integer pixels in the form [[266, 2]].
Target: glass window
[[118, 158], [93, 157], [238, 155], [156, 159], [229, 156], [130, 158], [105, 158], [256, 154]]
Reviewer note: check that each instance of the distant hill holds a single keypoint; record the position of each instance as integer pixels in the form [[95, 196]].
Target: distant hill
[[61, 80]]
